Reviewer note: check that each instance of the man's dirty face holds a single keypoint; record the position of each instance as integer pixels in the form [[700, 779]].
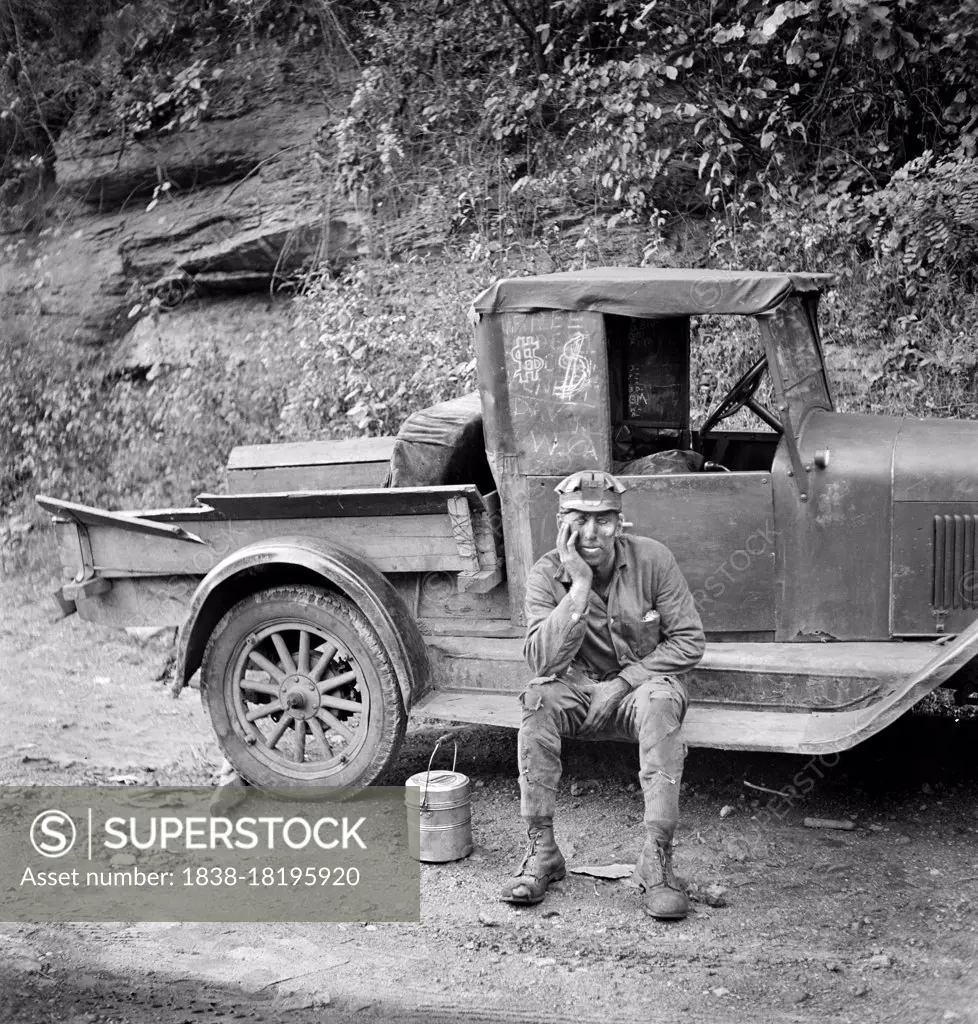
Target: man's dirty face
[[596, 533]]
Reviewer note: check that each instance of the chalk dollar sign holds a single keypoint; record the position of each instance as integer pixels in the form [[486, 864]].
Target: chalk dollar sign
[[576, 367]]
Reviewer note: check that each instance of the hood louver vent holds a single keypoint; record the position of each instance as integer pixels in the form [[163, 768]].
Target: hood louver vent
[[955, 581]]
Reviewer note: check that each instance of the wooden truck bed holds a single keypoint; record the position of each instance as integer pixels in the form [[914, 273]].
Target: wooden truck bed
[[143, 566]]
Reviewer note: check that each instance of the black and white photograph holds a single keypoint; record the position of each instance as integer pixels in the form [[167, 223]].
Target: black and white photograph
[[488, 511]]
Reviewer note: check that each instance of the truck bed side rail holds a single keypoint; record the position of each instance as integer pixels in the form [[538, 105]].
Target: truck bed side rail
[[88, 515]]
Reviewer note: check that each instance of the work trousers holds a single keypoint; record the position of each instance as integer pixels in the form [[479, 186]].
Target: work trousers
[[652, 714]]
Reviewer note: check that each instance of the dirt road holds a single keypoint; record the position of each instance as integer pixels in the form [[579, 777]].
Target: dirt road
[[876, 924]]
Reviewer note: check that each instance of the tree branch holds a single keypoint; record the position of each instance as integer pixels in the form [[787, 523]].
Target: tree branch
[[531, 33]]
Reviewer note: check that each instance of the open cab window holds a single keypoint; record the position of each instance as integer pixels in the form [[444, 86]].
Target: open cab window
[[725, 388], [665, 376], [648, 385]]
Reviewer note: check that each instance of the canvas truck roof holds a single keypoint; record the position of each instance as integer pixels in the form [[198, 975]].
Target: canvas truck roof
[[650, 292]]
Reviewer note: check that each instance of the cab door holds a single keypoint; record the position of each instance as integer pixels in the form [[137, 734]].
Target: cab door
[[720, 528]]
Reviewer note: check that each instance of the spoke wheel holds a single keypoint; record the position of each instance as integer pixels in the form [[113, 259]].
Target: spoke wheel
[[301, 692]]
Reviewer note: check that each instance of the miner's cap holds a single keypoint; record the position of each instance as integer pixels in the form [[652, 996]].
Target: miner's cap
[[590, 490]]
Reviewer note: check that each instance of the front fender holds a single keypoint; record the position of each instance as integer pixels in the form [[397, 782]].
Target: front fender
[[287, 560]]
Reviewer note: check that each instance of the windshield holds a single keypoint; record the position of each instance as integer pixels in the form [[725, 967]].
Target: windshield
[[799, 358], [725, 347]]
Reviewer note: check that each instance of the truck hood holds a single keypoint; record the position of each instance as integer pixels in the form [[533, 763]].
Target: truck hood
[[936, 460], [890, 522]]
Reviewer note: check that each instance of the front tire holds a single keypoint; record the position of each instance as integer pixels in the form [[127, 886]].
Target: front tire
[[301, 691]]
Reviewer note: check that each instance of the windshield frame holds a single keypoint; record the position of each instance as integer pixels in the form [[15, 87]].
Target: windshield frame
[[796, 363]]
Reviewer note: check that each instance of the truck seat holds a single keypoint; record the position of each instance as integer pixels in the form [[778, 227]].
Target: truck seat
[[676, 460], [442, 445]]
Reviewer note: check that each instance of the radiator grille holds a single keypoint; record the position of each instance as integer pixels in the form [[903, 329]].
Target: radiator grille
[[955, 581]]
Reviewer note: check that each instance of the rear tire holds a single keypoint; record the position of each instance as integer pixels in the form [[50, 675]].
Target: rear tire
[[301, 691]]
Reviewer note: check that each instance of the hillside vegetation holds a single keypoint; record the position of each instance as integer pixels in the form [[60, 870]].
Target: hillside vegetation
[[829, 135]]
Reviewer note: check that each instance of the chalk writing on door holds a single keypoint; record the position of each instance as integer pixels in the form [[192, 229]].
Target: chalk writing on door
[[576, 367], [528, 362]]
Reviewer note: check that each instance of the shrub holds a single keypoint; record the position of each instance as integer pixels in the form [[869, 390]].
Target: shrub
[[379, 344], [925, 221], [70, 431]]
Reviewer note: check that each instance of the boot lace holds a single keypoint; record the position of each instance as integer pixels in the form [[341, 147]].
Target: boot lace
[[533, 837], [662, 868]]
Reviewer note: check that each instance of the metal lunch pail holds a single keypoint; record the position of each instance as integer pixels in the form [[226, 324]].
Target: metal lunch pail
[[443, 802]]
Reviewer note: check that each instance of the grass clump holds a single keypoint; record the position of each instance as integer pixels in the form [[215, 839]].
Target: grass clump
[[70, 430]]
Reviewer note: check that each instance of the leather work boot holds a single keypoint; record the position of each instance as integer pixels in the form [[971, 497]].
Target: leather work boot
[[664, 897], [542, 864]]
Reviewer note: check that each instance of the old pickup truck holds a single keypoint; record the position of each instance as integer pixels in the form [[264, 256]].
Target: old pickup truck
[[340, 585]]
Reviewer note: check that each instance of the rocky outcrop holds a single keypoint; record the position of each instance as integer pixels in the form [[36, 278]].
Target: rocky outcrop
[[232, 206], [237, 328]]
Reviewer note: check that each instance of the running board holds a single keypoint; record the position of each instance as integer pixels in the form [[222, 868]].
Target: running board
[[477, 680], [704, 726], [753, 676]]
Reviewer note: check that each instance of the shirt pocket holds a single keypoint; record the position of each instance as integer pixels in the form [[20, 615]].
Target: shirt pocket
[[641, 635]]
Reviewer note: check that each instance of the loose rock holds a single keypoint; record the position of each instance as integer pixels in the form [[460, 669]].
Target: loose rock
[[26, 965], [736, 849], [715, 895]]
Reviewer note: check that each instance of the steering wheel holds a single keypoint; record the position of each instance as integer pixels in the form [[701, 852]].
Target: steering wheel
[[741, 395]]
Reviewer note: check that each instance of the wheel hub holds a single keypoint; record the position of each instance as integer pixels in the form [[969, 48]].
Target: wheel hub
[[300, 695]]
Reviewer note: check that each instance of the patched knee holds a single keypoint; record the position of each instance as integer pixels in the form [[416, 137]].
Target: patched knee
[[532, 698], [537, 696], [654, 702]]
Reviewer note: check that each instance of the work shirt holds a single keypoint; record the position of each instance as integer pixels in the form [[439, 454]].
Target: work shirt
[[621, 635]]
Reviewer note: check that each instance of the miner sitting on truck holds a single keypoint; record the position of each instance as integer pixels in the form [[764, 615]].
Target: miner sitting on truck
[[610, 623]]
